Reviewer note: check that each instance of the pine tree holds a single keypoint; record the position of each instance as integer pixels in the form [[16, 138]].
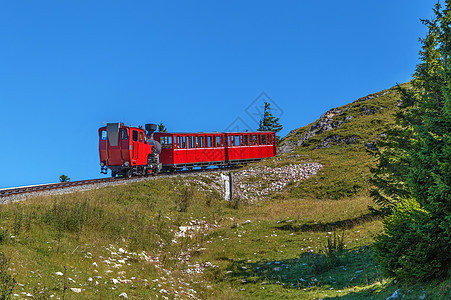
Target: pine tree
[[64, 178], [269, 122], [414, 171], [162, 128]]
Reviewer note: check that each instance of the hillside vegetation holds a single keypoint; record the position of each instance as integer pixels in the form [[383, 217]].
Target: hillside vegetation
[[174, 238], [340, 140]]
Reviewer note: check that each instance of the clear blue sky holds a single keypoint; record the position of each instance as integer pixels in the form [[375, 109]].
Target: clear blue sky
[[68, 66]]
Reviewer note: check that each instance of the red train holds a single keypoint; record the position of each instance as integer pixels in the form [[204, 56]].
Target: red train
[[129, 151]]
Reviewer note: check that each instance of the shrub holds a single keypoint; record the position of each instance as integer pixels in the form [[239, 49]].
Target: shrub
[[408, 249], [331, 255], [4, 236], [184, 198], [7, 282]]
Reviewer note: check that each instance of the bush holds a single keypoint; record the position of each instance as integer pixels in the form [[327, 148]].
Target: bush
[[409, 249], [7, 282], [184, 198]]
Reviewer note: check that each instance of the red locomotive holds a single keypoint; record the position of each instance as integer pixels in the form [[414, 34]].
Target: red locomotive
[[129, 151]]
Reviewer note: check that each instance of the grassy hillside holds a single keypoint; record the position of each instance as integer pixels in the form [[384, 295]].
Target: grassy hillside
[[340, 140], [174, 238]]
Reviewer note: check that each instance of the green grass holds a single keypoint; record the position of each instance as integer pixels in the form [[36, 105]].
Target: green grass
[[284, 241], [127, 239]]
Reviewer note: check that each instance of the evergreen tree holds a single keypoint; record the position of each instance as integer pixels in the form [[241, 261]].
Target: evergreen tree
[[64, 178], [268, 122], [162, 128], [415, 165]]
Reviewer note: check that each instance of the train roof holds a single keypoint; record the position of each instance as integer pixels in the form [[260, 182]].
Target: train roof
[[216, 132]]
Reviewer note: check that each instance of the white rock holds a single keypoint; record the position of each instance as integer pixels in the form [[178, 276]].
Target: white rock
[[121, 251], [76, 290], [115, 281], [59, 273], [395, 295], [123, 294]]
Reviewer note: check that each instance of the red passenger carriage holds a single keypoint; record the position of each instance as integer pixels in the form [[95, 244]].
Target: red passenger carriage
[[130, 151], [190, 150]]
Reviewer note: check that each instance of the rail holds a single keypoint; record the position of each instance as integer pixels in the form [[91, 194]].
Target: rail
[[63, 185]]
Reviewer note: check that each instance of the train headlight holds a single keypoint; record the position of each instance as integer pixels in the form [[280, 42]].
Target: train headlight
[[126, 163]]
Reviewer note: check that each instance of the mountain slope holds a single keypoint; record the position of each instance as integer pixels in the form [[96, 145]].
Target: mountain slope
[[339, 140]]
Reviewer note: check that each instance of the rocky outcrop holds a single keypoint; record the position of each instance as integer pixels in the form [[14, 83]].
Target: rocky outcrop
[[335, 140], [329, 121], [326, 122]]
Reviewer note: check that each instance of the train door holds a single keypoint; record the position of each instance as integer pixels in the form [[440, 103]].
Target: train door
[[125, 145], [274, 143], [134, 147]]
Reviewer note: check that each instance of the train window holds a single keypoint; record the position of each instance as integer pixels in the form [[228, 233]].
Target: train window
[[183, 142], [166, 142], [245, 140], [140, 137], [237, 140], [218, 141], [209, 141], [269, 139], [254, 139], [103, 135], [124, 134], [135, 135], [263, 139], [201, 142]]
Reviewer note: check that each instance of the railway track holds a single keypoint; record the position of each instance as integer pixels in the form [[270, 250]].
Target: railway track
[[22, 191], [52, 186]]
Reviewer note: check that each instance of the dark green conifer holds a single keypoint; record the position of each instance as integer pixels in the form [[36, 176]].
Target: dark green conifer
[[162, 128], [269, 122], [415, 164]]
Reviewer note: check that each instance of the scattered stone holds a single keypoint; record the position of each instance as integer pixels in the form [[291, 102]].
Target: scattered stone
[[76, 290], [59, 273], [271, 179], [395, 295], [124, 295]]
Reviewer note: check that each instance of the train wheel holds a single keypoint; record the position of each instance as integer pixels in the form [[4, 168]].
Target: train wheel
[[128, 174], [113, 174]]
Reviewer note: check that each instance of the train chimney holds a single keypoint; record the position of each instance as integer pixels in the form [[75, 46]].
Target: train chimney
[[151, 128]]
